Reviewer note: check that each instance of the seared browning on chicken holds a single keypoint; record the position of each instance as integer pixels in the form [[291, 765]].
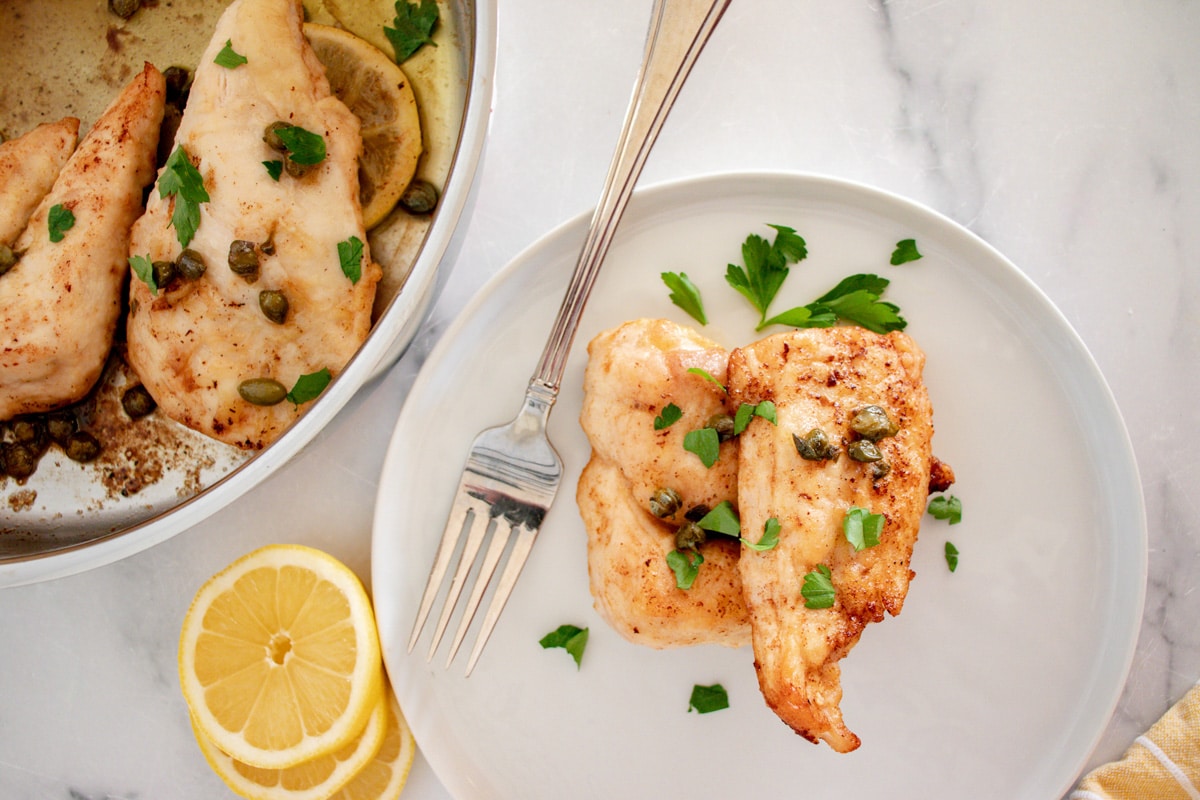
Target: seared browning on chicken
[[818, 379], [60, 302], [633, 373], [29, 166], [196, 342]]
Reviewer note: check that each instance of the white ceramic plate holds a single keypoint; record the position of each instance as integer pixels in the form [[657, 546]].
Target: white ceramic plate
[[997, 679]]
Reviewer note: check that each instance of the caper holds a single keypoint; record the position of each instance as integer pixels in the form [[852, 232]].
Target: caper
[[7, 258], [82, 446], [31, 432], [243, 259], [295, 168], [690, 535], [271, 136], [19, 460], [664, 503], [124, 8], [179, 81], [268, 247], [723, 424], [274, 305], [872, 422], [137, 402], [816, 446], [262, 391], [696, 513], [60, 425], [863, 450], [191, 265], [421, 197], [164, 273], [880, 469]]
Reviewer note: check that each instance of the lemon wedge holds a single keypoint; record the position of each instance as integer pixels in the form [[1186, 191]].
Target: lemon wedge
[[279, 658], [378, 92]]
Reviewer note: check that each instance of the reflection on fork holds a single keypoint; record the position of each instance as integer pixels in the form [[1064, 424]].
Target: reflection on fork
[[512, 471]]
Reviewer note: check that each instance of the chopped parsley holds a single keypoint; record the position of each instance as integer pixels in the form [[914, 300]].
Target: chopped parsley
[[569, 637], [951, 556], [747, 411], [143, 268], [303, 146], [722, 519], [766, 266], [862, 528], [706, 699], [686, 566], [818, 589], [947, 507], [670, 414], [350, 254], [906, 250], [59, 221], [705, 443], [770, 537], [309, 387], [228, 57], [180, 179], [685, 295], [703, 373], [412, 27], [274, 168]]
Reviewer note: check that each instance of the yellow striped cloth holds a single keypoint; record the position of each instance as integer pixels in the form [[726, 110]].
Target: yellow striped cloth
[[1163, 763]]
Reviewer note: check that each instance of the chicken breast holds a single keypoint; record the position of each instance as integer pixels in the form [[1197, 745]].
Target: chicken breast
[[29, 166], [194, 343], [819, 379], [60, 303], [633, 373]]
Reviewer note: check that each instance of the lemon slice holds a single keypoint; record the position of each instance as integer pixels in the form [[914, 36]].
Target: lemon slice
[[317, 779], [381, 96], [365, 19], [279, 657], [384, 777]]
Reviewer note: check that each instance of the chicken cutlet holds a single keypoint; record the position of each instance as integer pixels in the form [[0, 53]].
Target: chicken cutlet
[[217, 352], [820, 380], [29, 166], [633, 373], [60, 302]]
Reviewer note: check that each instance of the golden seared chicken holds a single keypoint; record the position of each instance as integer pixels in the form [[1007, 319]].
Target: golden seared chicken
[[288, 280], [29, 166], [60, 302], [835, 381], [634, 372]]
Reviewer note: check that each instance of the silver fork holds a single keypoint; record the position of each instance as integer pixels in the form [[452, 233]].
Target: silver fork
[[512, 471]]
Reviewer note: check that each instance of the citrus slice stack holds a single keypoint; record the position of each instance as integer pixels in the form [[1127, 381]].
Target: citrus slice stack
[[280, 666], [378, 92]]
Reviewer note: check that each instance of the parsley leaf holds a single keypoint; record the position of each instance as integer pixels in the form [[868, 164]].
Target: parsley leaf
[[818, 589], [309, 387], [906, 250], [228, 57], [951, 556], [947, 507], [722, 519], [59, 221], [414, 27], [303, 146], [705, 699], [769, 539], [766, 266], [704, 443], [670, 414], [747, 411], [685, 295], [350, 254], [181, 179], [686, 566], [855, 299], [274, 168], [708, 377], [862, 528], [570, 638], [143, 268]]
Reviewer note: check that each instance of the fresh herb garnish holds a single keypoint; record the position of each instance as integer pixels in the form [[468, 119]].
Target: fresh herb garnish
[[818, 589], [862, 528], [855, 299], [951, 556], [350, 254], [722, 519], [309, 387], [181, 179], [685, 295], [705, 699], [274, 168], [569, 637], [686, 566], [708, 377], [906, 250], [413, 27], [947, 507], [143, 268], [766, 266], [705, 443], [769, 539], [303, 146], [228, 57], [59, 221], [670, 414], [747, 411]]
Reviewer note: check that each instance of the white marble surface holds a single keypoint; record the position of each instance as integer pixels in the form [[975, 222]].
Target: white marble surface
[[1066, 134]]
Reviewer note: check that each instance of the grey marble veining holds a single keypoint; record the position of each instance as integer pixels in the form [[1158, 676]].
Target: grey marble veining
[[1067, 135]]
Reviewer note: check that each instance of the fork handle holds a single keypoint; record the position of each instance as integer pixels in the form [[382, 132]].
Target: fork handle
[[678, 32]]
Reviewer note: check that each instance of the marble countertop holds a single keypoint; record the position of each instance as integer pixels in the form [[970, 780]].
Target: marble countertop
[[1067, 135]]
